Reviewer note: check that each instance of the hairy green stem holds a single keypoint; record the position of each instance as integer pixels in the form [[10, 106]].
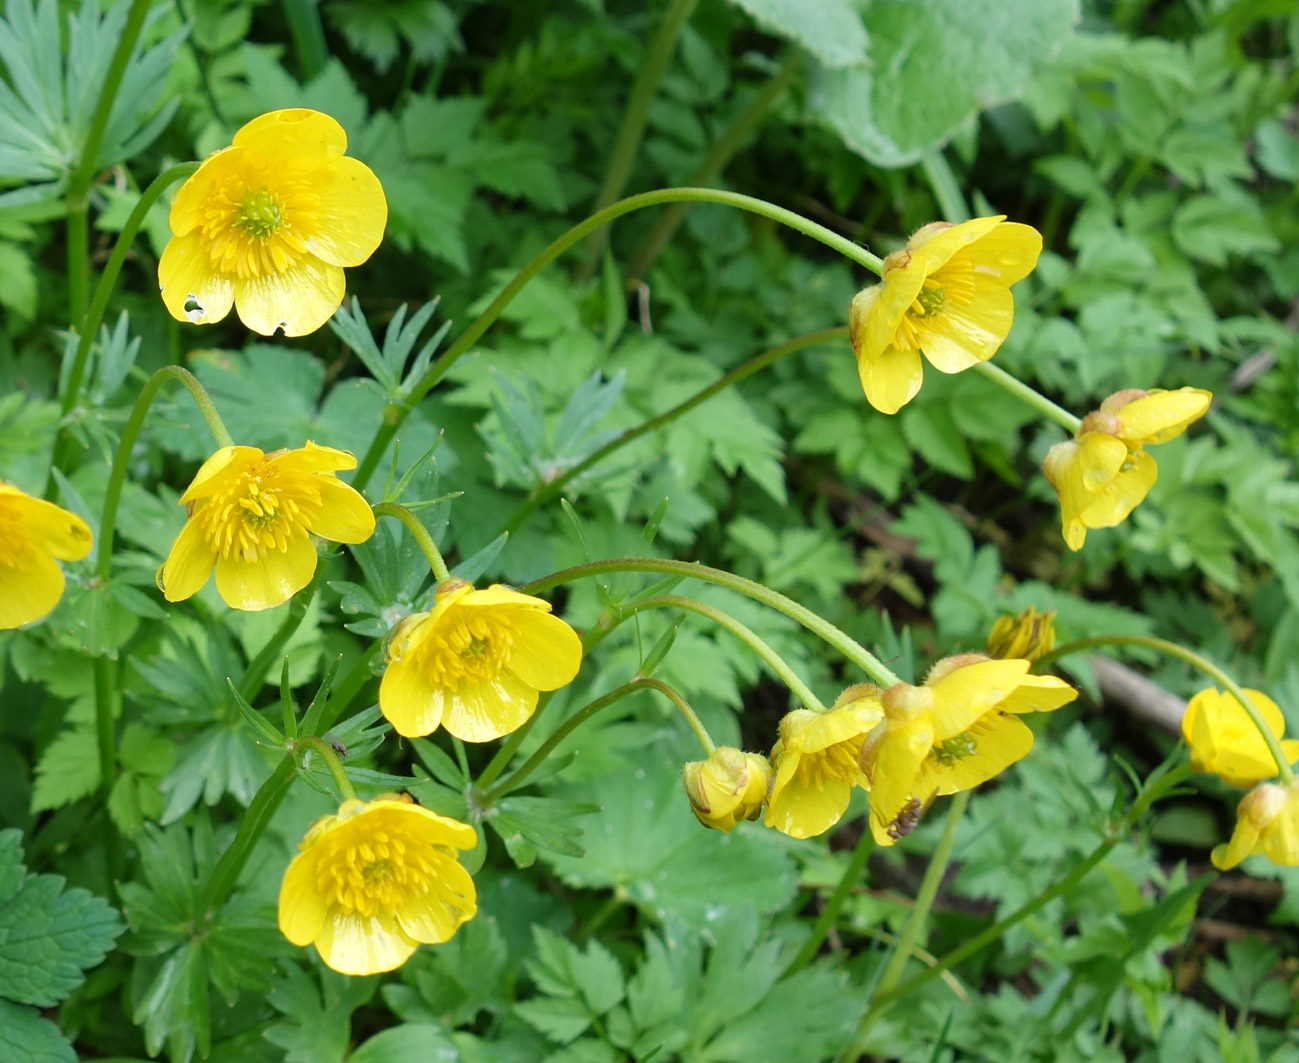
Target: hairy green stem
[[105, 673], [221, 881], [830, 913], [643, 90], [1195, 660], [544, 492], [117, 476], [915, 924], [520, 776], [1034, 398], [721, 153], [724, 620], [396, 416], [419, 533], [323, 750], [840, 640], [255, 674], [80, 179]]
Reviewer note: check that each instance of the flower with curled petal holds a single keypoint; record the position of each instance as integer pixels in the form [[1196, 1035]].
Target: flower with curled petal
[[946, 295], [374, 882], [1267, 823], [268, 224], [33, 534], [729, 786], [1225, 742], [252, 515], [475, 663]]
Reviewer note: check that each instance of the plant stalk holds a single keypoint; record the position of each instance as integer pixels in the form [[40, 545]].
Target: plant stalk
[[830, 913], [419, 533]]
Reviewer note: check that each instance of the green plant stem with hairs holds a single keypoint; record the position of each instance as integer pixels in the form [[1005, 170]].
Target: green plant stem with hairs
[[323, 750], [79, 181], [840, 640], [520, 776], [658, 56], [915, 924], [419, 533], [544, 492], [396, 413], [1195, 660], [1031, 396]]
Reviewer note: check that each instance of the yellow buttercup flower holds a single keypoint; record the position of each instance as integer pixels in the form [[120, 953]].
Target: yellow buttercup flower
[[729, 786], [474, 664], [33, 533], [1225, 742], [946, 295], [815, 763], [268, 224], [1104, 473], [1267, 822], [1030, 635], [252, 515], [957, 730], [375, 882]]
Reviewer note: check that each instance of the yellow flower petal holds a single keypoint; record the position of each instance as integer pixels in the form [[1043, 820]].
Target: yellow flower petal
[[964, 694], [1008, 252], [352, 213], [220, 471], [963, 336], [1267, 822], [188, 565], [54, 529], [269, 580], [191, 290], [1161, 415], [895, 771], [297, 132], [435, 916], [33, 533], [409, 701], [313, 458], [546, 652], [805, 812], [999, 741], [302, 909], [31, 585], [490, 709], [1224, 740], [1122, 494], [1038, 693], [345, 516], [937, 244], [297, 300], [356, 944], [890, 379]]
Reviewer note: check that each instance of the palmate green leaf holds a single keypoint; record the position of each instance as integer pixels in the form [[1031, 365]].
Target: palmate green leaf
[[48, 935], [412, 1043], [830, 29], [25, 1036], [429, 28], [317, 1022], [933, 65], [646, 842], [68, 769]]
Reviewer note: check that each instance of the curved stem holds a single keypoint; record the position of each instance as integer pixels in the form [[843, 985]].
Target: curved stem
[[117, 476], [580, 717], [1034, 398], [419, 533], [80, 179], [929, 886], [840, 640], [543, 492], [1195, 661], [770, 657], [484, 320], [830, 913], [322, 749], [696, 724], [255, 674], [643, 90], [721, 153], [225, 874]]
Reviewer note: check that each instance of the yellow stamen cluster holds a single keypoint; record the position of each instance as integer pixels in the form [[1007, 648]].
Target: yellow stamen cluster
[[473, 650], [260, 512], [951, 288], [374, 872], [258, 221]]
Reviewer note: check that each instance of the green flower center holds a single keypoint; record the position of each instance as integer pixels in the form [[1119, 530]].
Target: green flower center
[[260, 214], [954, 749], [931, 300]]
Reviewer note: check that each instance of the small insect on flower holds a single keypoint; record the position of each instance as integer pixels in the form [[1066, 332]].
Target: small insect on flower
[[946, 295], [252, 515], [376, 881], [33, 533], [475, 663], [268, 224]]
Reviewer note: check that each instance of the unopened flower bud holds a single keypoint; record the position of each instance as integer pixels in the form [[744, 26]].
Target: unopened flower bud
[[729, 786], [1030, 636]]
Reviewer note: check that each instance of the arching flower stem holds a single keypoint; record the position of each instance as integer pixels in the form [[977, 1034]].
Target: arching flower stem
[[1031, 396], [840, 640], [1195, 660], [419, 533], [396, 414], [89, 324], [322, 749], [544, 492], [520, 776]]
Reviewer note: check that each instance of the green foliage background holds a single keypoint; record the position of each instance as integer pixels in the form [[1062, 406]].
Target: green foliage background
[[1154, 144]]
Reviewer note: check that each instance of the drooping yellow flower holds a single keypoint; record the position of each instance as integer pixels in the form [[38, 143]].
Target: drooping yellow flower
[[1030, 635], [33, 533], [946, 295], [729, 786], [1104, 473], [375, 882], [269, 223], [1225, 742], [1267, 822], [252, 515], [474, 664], [957, 730], [815, 763]]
